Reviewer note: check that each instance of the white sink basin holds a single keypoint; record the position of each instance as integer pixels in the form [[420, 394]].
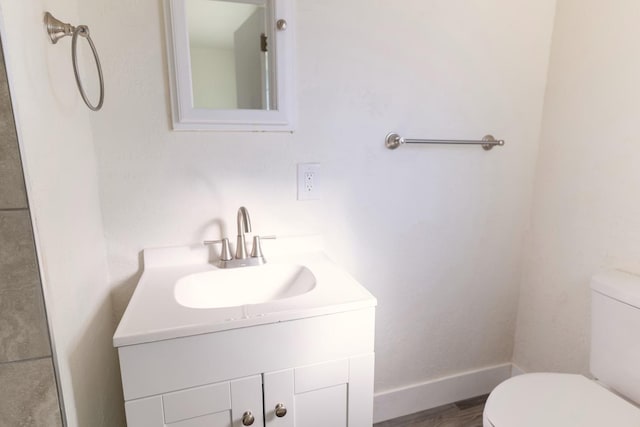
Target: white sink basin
[[180, 293], [243, 286]]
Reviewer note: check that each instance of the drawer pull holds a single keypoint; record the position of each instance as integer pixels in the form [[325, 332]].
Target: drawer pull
[[281, 411], [247, 418]]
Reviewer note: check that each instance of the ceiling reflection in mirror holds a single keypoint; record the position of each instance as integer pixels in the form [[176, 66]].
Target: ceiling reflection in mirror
[[231, 66]]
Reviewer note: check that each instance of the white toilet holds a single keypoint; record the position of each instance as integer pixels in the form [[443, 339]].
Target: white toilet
[[566, 400]]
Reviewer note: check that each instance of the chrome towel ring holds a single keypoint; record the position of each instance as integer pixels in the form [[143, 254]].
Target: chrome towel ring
[[57, 30]]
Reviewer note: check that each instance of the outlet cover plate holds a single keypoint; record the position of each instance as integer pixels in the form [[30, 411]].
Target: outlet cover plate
[[309, 181]]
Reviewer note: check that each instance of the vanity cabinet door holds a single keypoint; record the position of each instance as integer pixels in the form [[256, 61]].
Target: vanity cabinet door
[[224, 404], [321, 394], [310, 396], [279, 397], [220, 419], [337, 394], [323, 407], [246, 402], [313, 396], [145, 412]]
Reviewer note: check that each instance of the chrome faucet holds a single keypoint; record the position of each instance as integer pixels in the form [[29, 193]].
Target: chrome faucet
[[244, 226], [242, 257]]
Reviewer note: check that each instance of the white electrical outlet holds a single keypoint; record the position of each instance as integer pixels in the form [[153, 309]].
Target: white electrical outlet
[[308, 181]]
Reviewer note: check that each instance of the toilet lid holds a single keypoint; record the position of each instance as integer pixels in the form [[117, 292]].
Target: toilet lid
[[563, 400]]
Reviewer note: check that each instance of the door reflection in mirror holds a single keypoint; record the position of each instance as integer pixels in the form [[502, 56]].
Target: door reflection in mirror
[[229, 43]]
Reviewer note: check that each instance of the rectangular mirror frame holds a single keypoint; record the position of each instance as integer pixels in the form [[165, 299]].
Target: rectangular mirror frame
[[186, 117]]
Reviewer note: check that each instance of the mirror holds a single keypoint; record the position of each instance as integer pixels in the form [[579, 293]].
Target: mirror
[[231, 64], [229, 50]]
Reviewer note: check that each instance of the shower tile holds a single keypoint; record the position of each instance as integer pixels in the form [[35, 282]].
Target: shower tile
[[18, 266], [28, 396], [12, 192], [23, 328]]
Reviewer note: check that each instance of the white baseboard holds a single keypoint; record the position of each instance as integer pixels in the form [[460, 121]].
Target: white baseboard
[[431, 394]]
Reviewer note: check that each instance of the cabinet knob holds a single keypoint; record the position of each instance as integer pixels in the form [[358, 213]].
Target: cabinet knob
[[281, 411], [281, 24], [247, 418]]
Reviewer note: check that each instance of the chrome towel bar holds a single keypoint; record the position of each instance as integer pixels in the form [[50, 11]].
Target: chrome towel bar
[[393, 141]]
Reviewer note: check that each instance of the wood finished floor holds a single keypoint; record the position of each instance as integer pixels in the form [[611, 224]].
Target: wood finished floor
[[467, 413]]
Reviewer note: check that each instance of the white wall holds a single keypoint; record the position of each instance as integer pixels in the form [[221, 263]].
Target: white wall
[[57, 148], [434, 232], [586, 213]]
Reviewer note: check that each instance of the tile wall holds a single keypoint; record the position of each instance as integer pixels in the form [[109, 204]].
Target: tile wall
[[28, 394]]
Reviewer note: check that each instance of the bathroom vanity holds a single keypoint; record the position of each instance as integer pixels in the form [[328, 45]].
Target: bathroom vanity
[[299, 353]]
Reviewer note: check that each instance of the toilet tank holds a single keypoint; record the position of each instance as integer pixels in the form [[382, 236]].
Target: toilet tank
[[615, 332]]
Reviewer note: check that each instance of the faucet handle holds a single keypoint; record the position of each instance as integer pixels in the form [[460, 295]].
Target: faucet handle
[[225, 254], [256, 251]]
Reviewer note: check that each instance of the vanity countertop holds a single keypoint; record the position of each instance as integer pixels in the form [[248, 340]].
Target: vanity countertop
[[153, 314]]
